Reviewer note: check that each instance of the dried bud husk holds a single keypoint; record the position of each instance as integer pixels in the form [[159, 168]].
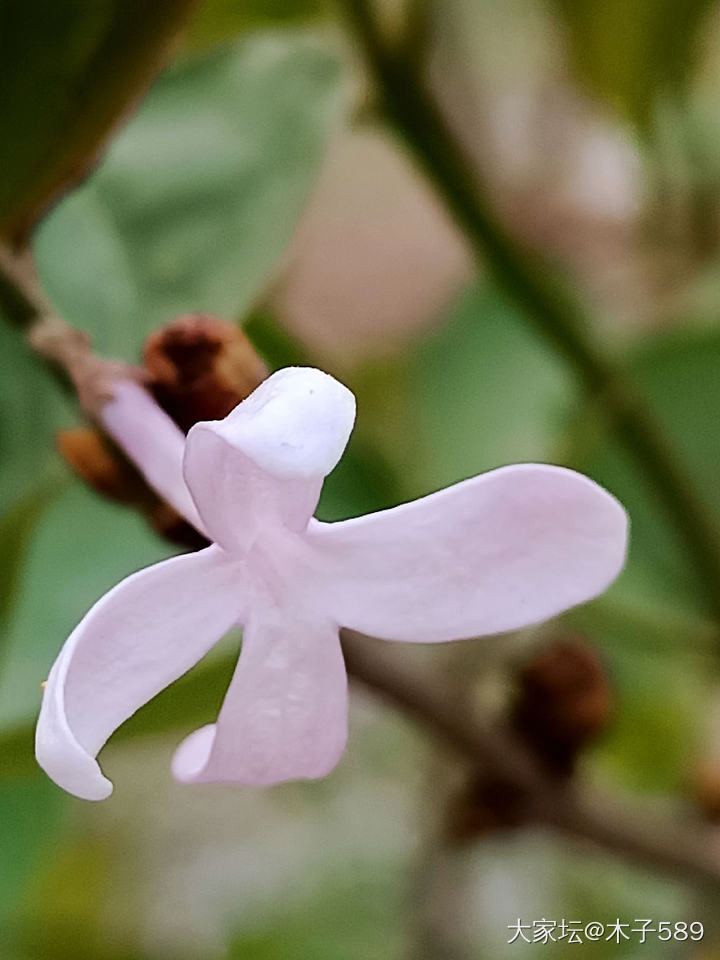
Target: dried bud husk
[[564, 701], [104, 468], [200, 368]]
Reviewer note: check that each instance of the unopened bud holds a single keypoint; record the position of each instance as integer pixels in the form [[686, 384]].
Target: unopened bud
[[200, 368], [108, 472], [564, 701], [705, 789], [94, 460], [703, 783]]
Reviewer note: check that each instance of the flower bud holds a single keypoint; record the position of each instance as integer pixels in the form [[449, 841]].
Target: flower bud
[[703, 776], [705, 789], [200, 368], [564, 701], [94, 460], [104, 468]]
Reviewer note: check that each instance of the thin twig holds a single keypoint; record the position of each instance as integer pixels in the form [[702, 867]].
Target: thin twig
[[66, 350], [619, 825], [543, 298], [21, 299]]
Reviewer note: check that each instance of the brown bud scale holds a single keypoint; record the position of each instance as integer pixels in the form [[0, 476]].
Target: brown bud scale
[[200, 368]]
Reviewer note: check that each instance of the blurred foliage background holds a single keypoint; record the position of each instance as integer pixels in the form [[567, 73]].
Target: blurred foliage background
[[257, 179]]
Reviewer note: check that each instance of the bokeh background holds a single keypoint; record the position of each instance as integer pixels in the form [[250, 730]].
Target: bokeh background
[[257, 180]]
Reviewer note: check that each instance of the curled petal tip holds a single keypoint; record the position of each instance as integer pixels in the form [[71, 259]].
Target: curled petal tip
[[141, 636], [68, 765], [295, 424], [192, 755]]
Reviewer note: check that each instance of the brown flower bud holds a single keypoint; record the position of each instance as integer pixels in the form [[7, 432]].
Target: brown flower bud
[[200, 368], [101, 465], [564, 701], [94, 460], [705, 789]]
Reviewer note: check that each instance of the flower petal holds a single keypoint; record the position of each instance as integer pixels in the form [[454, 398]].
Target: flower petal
[[142, 635], [152, 441], [262, 467], [285, 714], [501, 551]]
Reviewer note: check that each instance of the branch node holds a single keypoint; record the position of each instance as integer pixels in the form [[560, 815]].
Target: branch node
[[70, 349]]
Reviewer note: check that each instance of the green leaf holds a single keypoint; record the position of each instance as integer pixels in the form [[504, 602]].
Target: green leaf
[[660, 666], [678, 374], [69, 71], [631, 52], [480, 392], [353, 915], [219, 21], [195, 202], [17, 526], [30, 812], [661, 642], [31, 408], [82, 547], [63, 911]]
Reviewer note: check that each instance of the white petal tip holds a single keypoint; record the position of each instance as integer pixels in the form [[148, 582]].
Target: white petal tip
[[100, 791], [295, 424], [67, 765], [92, 788], [190, 764], [193, 754]]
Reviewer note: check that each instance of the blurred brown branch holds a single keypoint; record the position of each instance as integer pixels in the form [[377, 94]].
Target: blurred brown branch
[[620, 825]]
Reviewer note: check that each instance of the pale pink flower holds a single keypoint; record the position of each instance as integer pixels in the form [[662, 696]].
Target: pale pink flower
[[494, 553]]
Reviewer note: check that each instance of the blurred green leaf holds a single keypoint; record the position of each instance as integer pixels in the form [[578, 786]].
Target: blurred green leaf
[[660, 668], [218, 21], [31, 408], [664, 659], [631, 52], [678, 374], [353, 916], [64, 910], [480, 392], [82, 547], [69, 71], [30, 812], [196, 200], [16, 528]]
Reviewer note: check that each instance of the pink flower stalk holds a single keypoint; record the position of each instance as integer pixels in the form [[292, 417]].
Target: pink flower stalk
[[500, 551]]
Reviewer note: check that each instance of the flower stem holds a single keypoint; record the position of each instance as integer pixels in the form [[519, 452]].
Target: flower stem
[[545, 301]]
